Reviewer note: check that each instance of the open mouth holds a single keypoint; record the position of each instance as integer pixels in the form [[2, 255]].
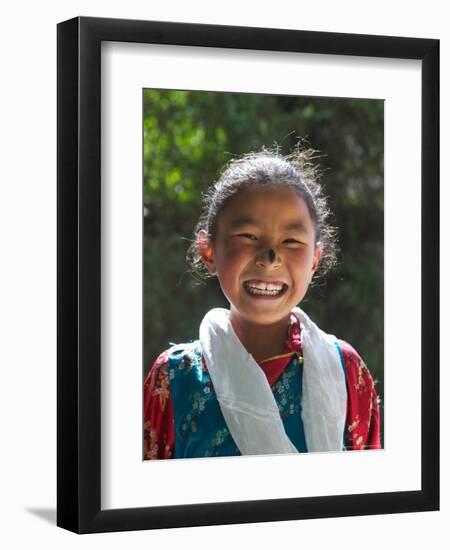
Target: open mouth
[[272, 289]]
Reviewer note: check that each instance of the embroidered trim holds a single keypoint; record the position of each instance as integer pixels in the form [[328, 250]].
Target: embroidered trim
[[283, 355]]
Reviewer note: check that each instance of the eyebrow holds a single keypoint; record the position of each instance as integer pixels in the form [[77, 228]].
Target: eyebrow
[[239, 222], [296, 226]]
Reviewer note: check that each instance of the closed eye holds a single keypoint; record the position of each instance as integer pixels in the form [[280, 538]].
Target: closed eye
[[292, 241], [248, 236]]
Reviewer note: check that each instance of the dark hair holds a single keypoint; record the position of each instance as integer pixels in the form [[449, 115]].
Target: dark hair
[[297, 170]]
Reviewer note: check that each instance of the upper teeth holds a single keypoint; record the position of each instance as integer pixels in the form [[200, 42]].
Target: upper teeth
[[266, 286]]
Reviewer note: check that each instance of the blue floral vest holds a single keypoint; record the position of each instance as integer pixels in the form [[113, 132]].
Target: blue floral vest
[[200, 429]]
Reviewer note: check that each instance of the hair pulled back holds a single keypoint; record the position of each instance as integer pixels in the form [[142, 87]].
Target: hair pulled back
[[296, 170]]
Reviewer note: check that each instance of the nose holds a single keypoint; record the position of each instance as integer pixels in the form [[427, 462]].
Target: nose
[[268, 258]]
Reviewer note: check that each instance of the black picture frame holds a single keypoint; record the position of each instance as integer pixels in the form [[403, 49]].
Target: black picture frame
[[79, 275]]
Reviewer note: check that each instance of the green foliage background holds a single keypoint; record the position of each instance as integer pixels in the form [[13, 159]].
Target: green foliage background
[[188, 136]]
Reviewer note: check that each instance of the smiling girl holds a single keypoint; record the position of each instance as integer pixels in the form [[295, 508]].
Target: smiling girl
[[262, 378]]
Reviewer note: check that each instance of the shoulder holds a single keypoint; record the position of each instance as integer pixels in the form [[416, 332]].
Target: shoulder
[[158, 371], [185, 352], [176, 355], [357, 374]]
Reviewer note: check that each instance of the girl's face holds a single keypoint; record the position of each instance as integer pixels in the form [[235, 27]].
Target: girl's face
[[264, 253]]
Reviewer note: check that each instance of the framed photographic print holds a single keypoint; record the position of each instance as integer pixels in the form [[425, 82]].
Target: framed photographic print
[[162, 127]]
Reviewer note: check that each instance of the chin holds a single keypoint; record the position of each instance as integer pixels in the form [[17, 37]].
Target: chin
[[261, 318]]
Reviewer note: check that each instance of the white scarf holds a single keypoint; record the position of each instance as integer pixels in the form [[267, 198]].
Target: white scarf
[[246, 399]]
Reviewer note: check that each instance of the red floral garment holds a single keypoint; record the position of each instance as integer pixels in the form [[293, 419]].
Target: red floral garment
[[159, 432], [363, 411], [363, 415]]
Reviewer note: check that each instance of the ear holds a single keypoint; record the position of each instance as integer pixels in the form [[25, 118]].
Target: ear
[[205, 249], [317, 255]]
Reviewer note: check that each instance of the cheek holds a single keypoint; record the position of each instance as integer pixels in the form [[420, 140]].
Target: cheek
[[301, 262], [236, 254], [301, 256]]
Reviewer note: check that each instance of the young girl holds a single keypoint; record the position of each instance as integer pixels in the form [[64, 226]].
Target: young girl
[[262, 378]]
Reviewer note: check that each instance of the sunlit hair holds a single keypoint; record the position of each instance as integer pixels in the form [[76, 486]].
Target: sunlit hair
[[297, 170]]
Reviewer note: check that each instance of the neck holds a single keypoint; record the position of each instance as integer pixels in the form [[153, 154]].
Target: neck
[[261, 341]]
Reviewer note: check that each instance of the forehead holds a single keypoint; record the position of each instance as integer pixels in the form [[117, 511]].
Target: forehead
[[266, 204]]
